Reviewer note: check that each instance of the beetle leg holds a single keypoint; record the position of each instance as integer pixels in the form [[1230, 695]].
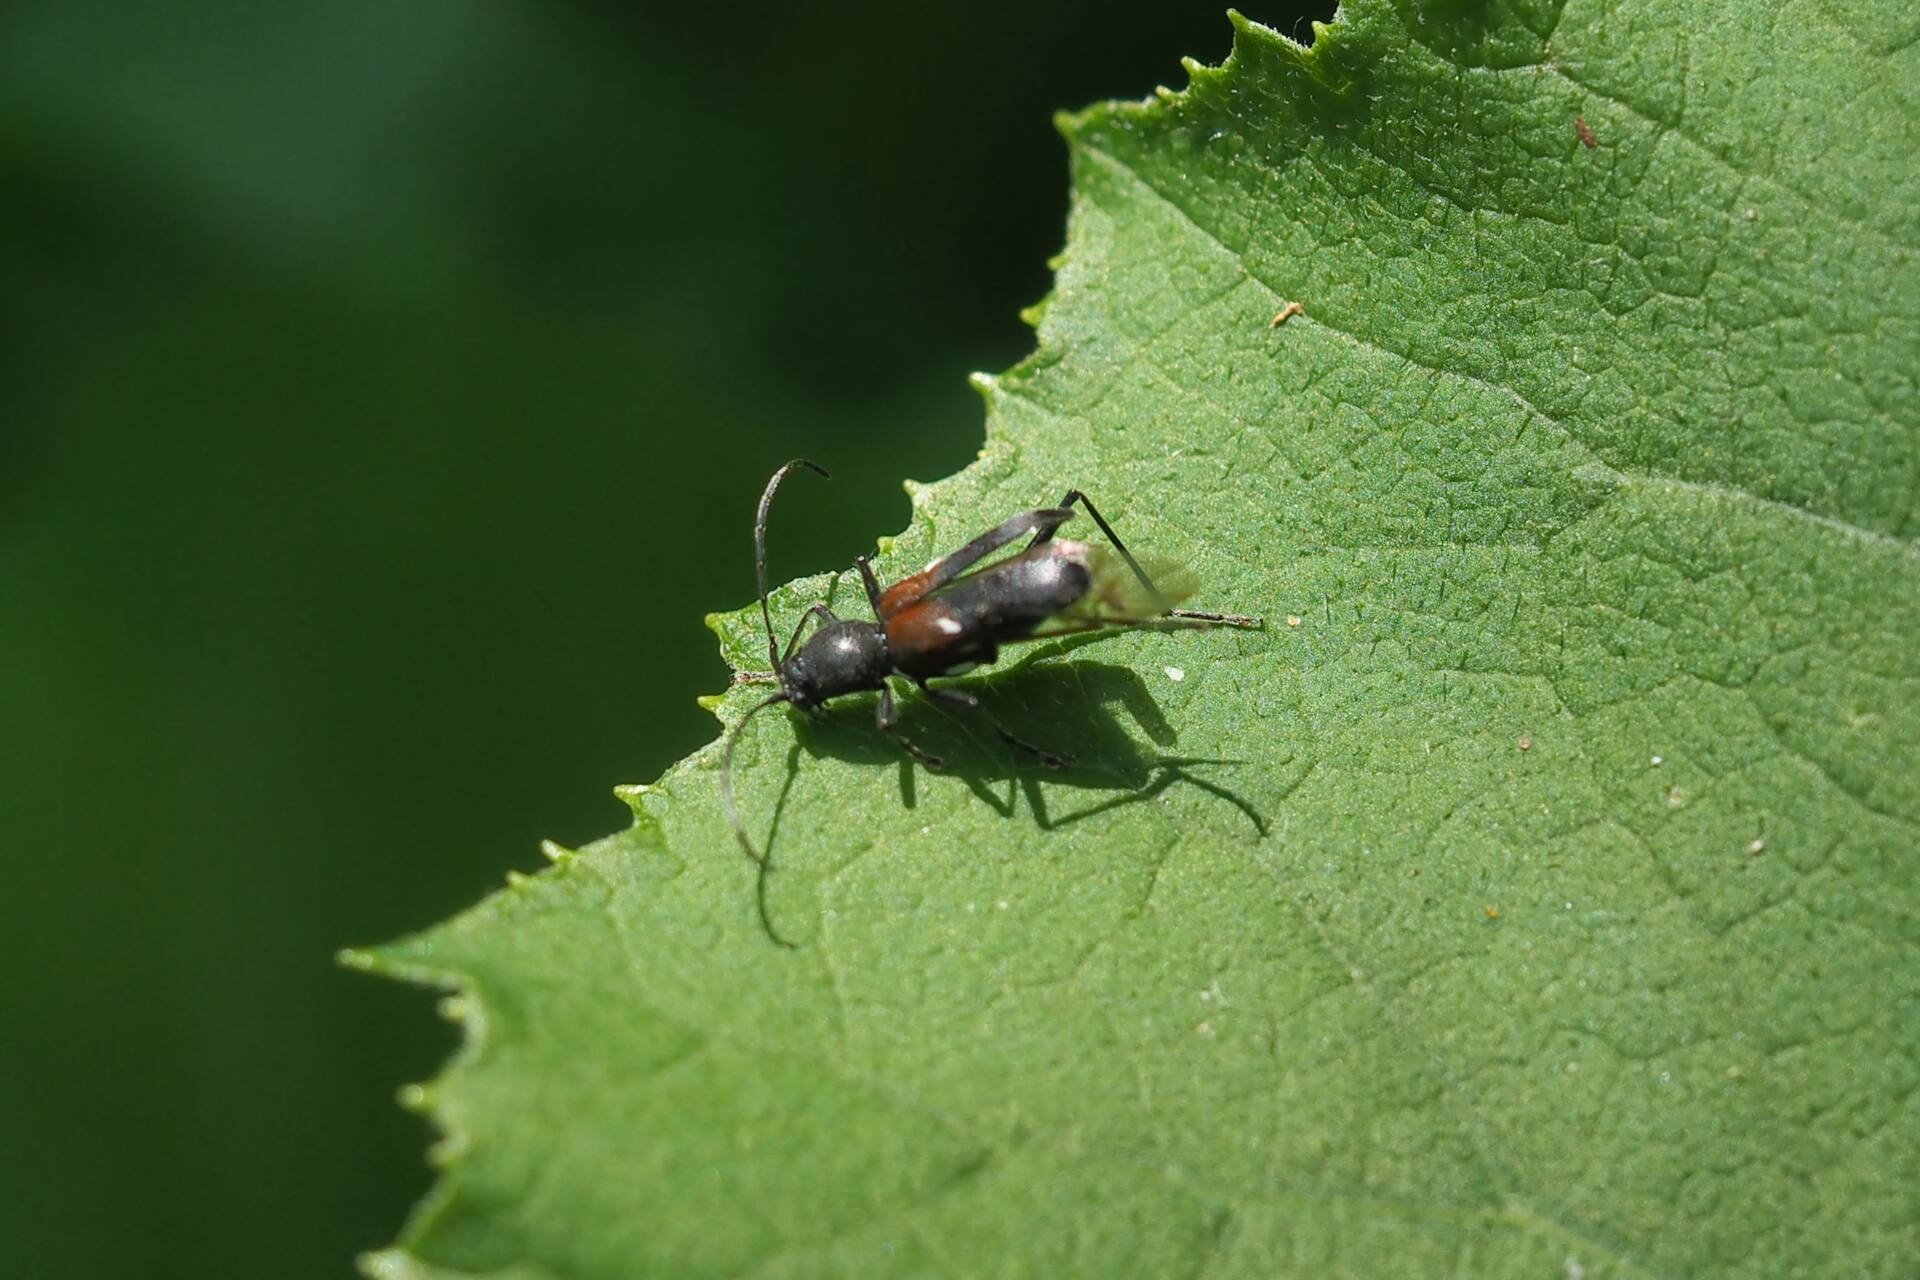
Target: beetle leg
[[961, 698], [883, 720], [1192, 615], [1075, 496], [872, 584], [1219, 619], [812, 611]]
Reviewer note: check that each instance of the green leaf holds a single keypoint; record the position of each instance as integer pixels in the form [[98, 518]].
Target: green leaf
[[1535, 896]]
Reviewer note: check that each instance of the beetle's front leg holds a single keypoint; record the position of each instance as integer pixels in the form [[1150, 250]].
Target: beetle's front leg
[[871, 583], [883, 720], [812, 611]]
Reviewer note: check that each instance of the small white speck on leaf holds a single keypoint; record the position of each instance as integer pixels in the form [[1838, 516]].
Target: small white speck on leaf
[[1657, 762], [1175, 674], [1757, 847]]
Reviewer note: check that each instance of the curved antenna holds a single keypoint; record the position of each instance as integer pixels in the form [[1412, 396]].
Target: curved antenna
[[732, 810], [760, 555]]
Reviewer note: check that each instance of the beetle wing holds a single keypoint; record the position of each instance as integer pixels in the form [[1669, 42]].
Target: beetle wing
[[1118, 597], [954, 566]]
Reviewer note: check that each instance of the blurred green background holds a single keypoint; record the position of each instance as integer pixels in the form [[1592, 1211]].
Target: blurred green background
[[385, 389]]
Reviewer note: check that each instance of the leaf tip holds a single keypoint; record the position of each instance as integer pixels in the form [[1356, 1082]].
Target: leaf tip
[[1253, 29], [408, 959], [387, 1264]]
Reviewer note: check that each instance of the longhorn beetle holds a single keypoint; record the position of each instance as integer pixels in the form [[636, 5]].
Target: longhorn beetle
[[945, 620]]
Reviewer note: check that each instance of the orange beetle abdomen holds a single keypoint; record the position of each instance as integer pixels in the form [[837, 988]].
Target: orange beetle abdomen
[[929, 639], [906, 593]]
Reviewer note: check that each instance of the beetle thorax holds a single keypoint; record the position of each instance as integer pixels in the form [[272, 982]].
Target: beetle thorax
[[842, 657]]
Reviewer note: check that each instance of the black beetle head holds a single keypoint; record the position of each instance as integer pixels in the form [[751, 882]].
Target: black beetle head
[[842, 657]]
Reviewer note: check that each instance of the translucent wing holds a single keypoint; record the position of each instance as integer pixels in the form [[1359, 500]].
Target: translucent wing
[[1118, 597]]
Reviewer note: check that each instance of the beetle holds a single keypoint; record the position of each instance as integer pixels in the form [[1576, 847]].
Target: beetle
[[951, 617]]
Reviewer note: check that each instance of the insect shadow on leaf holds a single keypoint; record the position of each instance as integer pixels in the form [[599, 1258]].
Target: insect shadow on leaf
[[1084, 703], [1089, 703]]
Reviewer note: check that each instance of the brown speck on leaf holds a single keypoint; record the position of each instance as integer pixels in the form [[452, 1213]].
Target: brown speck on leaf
[[1526, 743], [1493, 912], [1586, 135], [1285, 314]]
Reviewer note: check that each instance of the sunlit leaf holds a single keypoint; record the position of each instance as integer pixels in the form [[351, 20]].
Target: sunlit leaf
[[1535, 896]]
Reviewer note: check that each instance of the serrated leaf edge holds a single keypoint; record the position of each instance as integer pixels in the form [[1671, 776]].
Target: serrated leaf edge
[[401, 960]]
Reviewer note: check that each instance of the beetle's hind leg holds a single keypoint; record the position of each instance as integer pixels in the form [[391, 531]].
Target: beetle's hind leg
[[1219, 619], [961, 698], [883, 720], [1076, 498]]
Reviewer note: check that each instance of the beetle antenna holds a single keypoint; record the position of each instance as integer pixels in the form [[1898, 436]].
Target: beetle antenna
[[760, 560], [727, 804]]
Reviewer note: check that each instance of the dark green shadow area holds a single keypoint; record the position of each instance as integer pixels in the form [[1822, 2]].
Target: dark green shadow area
[[1089, 715]]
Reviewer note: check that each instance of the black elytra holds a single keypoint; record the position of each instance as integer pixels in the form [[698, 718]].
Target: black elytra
[[949, 618]]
